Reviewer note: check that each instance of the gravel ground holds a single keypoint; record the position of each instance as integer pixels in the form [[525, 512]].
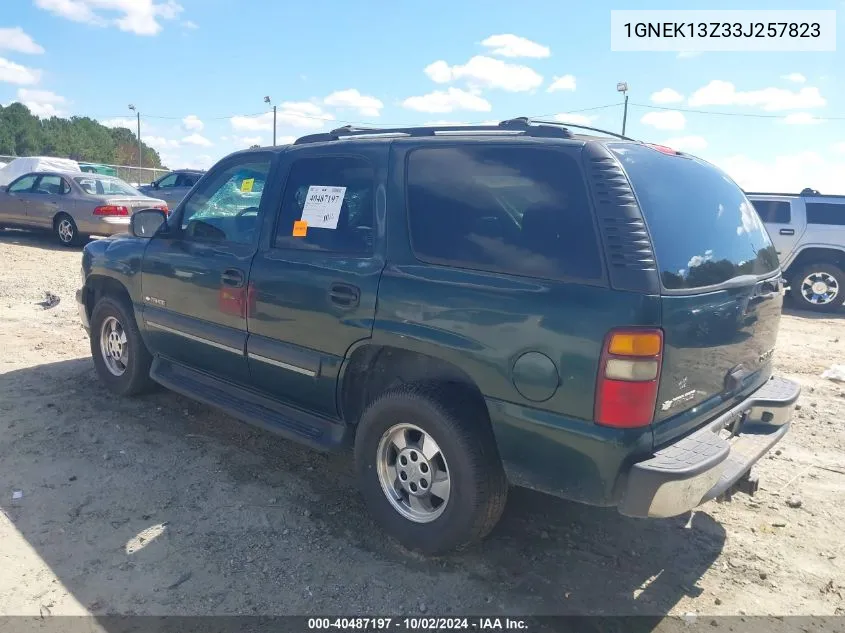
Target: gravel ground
[[158, 505]]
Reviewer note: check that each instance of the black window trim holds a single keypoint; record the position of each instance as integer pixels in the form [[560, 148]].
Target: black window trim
[[297, 156], [63, 185], [19, 178], [566, 150], [176, 232], [788, 203]]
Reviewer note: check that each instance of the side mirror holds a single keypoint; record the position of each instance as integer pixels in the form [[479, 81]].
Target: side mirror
[[147, 222]]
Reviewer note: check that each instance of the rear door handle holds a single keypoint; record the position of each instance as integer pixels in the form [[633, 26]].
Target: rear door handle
[[787, 231], [345, 295], [233, 277]]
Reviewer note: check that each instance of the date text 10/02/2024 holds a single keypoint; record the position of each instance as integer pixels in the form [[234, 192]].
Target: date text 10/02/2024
[[417, 624]]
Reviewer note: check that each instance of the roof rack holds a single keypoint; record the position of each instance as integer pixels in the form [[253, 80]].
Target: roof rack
[[807, 193], [519, 125]]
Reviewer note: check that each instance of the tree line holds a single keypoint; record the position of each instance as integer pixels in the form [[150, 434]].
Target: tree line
[[80, 138]]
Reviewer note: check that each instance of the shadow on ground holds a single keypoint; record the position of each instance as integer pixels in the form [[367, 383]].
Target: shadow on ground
[[40, 239], [159, 505]]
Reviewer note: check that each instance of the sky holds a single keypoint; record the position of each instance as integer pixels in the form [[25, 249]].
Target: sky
[[198, 72]]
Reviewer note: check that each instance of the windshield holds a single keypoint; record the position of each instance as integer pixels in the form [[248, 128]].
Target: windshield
[[105, 186], [704, 229]]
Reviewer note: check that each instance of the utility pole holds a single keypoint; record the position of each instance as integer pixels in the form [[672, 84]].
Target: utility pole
[[138, 115], [622, 87], [267, 100]]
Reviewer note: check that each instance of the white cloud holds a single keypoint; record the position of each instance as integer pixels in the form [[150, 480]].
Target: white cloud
[[41, 103], [363, 104], [201, 161], [120, 122], [789, 172], [15, 39], [575, 119], [688, 54], [134, 16], [248, 141], [197, 139], [160, 143], [285, 140], [448, 101], [719, 92], [509, 45], [302, 114], [665, 120], [839, 148], [667, 95], [13, 73], [193, 123], [801, 118], [190, 25], [795, 77], [486, 72], [566, 82], [686, 143]]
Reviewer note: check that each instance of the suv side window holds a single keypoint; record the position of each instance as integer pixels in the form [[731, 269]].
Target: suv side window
[[328, 206], [512, 209], [168, 181], [773, 211], [826, 213], [186, 180], [22, 185], [226, 207]]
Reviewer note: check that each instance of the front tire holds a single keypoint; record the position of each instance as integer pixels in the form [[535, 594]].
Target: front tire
[[120, 357], [428, 467], [818, 287], [66, 231]]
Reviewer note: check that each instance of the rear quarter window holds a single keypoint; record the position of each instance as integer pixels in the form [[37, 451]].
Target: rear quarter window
[[703, 228], [829, 213], [504, 208]]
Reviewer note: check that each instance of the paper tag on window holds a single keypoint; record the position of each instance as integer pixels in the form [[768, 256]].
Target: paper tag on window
[[300, 228], [246, 185], [322, 206]]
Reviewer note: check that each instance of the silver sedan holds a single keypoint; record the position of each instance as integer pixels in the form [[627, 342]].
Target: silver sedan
[[72, 205]]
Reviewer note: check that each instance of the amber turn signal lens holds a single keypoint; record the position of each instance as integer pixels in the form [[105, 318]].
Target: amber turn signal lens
[[635, 344]]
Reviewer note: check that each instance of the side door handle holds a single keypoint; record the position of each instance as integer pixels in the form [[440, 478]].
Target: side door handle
[[344, 295], [233, 277], [787, 231]]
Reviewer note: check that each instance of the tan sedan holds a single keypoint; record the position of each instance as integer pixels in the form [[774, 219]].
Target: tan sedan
[[72, 205]]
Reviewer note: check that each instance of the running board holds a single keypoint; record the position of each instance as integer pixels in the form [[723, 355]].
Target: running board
[[318, 432]]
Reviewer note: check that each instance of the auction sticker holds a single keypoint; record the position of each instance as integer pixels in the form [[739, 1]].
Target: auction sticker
[[322, 206]]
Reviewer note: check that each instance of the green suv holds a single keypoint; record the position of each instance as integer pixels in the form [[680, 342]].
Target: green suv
[[467, 308]]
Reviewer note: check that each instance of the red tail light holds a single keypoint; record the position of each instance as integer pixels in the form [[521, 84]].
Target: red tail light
[[629, 374], [663, 149], [111, 210]]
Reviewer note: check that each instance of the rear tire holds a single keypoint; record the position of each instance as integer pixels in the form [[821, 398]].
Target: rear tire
[[66, 231], [449, 448], [818, 287], [120, 357]]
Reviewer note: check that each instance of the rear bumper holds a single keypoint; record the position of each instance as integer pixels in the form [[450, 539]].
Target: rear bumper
[[104, 225], [707, 463]]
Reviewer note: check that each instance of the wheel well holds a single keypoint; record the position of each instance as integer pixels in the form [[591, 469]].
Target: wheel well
[[57, 216], [98, 286], [373, 369], [814, 255]]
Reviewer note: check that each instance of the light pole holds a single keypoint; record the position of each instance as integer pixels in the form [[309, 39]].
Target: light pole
[[267, 101], [138, 114], [622, 87]]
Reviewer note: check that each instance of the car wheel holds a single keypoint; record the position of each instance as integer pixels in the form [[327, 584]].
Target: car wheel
[[66, 231], [819, 287], [428, 467], [120, 357]]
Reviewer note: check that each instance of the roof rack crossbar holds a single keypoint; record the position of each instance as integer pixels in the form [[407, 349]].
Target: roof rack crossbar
[[521, 125], [583, 127]]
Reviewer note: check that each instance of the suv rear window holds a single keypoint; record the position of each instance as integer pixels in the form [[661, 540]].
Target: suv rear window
[[704, 229], [773, 211], [829, 213], [512, 209]]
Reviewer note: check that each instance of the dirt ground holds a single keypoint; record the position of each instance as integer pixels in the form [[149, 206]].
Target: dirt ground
[[159, 505]]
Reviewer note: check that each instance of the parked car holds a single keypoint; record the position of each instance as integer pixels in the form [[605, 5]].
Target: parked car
[[92, 168], [72, 204], [808, 231], [174, 186], [29, 164], [466, 307]]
